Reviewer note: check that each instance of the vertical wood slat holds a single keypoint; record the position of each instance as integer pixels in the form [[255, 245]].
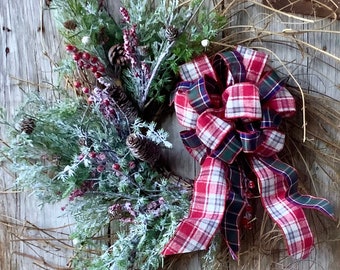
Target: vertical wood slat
[[28, 38]]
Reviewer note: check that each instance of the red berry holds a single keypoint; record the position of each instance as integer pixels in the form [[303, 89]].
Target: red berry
[[94, 69], [86, 56], [249, 195], [106, 102], [115, 166], [249, 226], [87, 65], [111, 111], [90, 100], [69, 48], [98, 75], [86, 90], [132, 165], [81, 156], [244, 222], [80, 63], [249, 208], [92, 154], [94, 60], [100, 168], [76, 56], [251, 184], [77, 84], [101, 68]]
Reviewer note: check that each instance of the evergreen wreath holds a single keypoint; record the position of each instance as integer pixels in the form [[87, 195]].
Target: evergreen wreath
[[100, 147]]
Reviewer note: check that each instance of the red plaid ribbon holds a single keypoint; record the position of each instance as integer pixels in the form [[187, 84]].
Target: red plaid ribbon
[[233, 109]]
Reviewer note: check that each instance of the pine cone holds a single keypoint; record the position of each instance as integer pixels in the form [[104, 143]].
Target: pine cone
[[143, 148], [123, 102], [116, 55], [27, 125], [171, 33], [70, 24]]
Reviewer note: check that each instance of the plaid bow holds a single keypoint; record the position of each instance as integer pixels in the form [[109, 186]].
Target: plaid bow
[[232, 109]]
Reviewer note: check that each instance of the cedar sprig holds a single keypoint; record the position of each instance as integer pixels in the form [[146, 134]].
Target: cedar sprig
[[193, 21], [157, 135]]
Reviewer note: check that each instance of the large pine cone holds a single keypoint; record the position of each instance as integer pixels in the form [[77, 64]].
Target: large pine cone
[[143, 148], [124, 103]]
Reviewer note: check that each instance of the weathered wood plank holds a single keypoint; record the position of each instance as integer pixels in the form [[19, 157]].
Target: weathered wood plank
[[28, 39]]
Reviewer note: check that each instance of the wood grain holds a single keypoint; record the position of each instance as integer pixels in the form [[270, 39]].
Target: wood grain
[[28, 35]]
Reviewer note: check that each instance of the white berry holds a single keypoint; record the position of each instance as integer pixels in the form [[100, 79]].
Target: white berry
[[205, 43], [85, 40]]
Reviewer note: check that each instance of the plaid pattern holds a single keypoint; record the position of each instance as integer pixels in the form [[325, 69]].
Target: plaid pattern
[[250, 140], [193, 144], [282, 103], [212, 115], [186, 115], [228, 150], [212, 130], [228, 66], [290, 217], [206, 212], [291, 180], [254, 63], [198, 95], [234, 206], [270, 119], [268, 86], [272, 144], [193, 70], [242, 101]]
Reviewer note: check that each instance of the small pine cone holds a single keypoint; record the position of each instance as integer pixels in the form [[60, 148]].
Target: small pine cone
[[171, 33], [143, 148], [116, 55], [70, 24], [123, 102], [27, 125]]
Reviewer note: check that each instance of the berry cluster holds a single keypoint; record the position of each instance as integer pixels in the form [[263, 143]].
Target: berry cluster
[[102, 98], [86, 61], [248, 216], [126, 213], [125, 15]]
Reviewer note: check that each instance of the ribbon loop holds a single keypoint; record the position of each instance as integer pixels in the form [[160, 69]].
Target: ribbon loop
[[228, 150], [186, 114], [211, 129], [242, 101], [230, 68]]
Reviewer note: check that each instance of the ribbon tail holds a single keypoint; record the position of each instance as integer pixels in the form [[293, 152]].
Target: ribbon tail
[[234, 208], [206, 211], [287, 215], [306, 201]]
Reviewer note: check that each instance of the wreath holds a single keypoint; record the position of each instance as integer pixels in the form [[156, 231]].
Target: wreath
[[100, 146]]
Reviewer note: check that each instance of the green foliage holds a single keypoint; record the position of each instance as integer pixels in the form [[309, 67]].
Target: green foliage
[[91, 21], [61, 158], [140, 246], [159, 136], [76, 152], [194, 22]]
